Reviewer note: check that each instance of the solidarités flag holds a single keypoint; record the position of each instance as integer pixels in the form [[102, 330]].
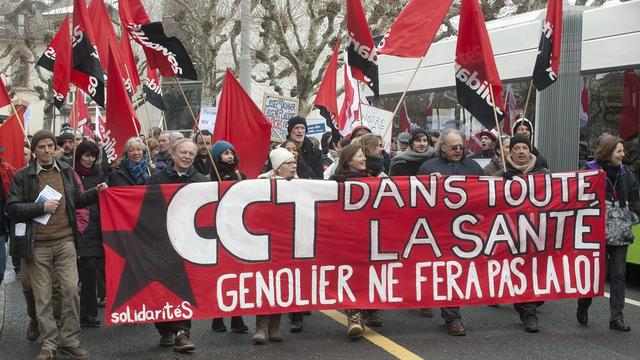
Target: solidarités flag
[[630, 115], [129, 61], [102, 29], [240, 122], [412, 32], [121, 118], [326, 99], [545, 71], [57, 59], [350, 117], [362, 56], [87, 71], [12, 137], [5, 98], [475, 68], [152, 89]]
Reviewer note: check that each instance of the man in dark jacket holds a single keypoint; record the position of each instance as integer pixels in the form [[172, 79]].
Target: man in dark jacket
[[450, 159], [521, 162], [50, 246], [202, 163], [179, 171], [297, 129]]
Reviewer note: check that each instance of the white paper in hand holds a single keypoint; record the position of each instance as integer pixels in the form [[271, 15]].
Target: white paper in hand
[[48, 193]]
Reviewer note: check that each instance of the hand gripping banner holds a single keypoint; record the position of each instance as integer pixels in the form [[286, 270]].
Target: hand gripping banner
[[215, 249]]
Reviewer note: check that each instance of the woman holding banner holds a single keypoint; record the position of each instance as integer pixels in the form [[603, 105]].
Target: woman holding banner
[[353, 164], [284, 167], [226, 163], [623, 208]]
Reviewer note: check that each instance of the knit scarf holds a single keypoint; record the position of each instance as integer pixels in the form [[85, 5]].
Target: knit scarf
[[83, 171], [523, 168], [138, 171]]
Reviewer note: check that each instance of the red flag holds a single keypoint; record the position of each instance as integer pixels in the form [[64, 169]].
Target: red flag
[[80, 117], [545, 71], [362, 56], [418, 17], [405, 122], [101, 127], [630, 116], [509, 109], [12, 139], [129, 60], [241, 123], [473, 145], [87, 71], [349, 116], [326, 98], [584, 101], [5, 98], [476, 68], [122, 120], [103, 29]]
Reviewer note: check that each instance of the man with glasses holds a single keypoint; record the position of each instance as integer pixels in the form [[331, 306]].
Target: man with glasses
[[451, 159]]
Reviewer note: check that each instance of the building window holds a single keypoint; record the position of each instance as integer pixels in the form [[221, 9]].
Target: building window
[[21, 24]]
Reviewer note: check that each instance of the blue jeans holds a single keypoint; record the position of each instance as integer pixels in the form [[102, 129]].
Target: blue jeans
[[3, 255]]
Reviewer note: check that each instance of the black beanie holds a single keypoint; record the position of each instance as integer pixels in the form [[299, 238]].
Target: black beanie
[[295, 121], [519, 139], [41, 135], [417, 131]]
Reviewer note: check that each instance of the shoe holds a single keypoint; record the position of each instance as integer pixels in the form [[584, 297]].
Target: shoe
[[373, 320], [167, 339], [46, 354], [274, 328], [262, 324], [455, 328], [217, 325], [237, 325], [182, 343], [426, 312], [619, 325], [531, 324], [296, 322], [33, 330], [354, 325], [102, 302], [582, 315], [89, 321], [75, 352]]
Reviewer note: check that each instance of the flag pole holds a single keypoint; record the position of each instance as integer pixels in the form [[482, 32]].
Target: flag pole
[[53, 119], [195, 122], [75, 129], [146, 111], [526, 104], [404, 93], [495, 116]]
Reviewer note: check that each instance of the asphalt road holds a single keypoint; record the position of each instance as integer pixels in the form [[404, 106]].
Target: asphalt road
[[492, 333]]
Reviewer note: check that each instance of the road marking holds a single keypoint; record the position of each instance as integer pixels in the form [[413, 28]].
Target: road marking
[[627, 300], [381, 341]]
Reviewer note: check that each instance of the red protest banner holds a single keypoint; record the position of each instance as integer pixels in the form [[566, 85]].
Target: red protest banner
[[258, 246]]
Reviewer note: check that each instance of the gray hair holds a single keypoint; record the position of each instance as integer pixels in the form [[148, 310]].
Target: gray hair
[[127, 144], [443, 135], [179, 142], [175, 135]]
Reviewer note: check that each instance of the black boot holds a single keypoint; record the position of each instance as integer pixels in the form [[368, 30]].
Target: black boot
[[296, 322], [619, 325], [237, 325], [217, 325]]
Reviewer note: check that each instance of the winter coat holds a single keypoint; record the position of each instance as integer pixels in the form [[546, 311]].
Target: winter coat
[[22, 208], [202, 164], [90, 243], [227, 172], [169, 175], [342, 177], [312, 158], [119, 176], [627, 187], [538, 168], [484, 155], [439, 164], [407, 163], [162, 161]]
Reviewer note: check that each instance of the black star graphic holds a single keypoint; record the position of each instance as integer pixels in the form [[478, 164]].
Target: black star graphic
[[148, 253]]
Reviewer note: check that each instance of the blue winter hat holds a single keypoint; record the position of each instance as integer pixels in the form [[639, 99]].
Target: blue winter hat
[[219, 147]]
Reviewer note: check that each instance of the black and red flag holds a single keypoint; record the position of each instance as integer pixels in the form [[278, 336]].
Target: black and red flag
[[362, 56], [545, 71], [87, 70], [152, 89], [326, 99], [57, 59], [164, 53], [412, 32], [475, 69]]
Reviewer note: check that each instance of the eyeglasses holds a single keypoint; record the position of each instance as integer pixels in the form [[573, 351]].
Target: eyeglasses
[[456, 147]]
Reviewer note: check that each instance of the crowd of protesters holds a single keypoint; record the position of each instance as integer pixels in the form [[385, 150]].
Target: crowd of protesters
[[67, 253]]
